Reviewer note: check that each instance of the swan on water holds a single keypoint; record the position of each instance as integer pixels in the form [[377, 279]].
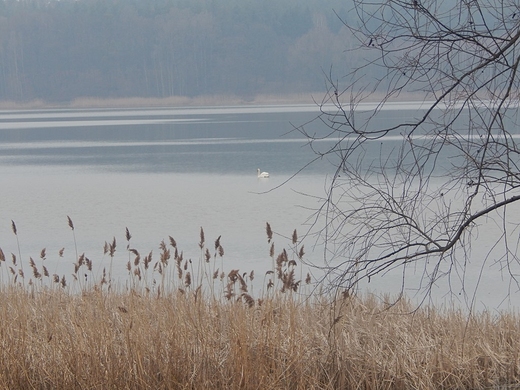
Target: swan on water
[[262, 174]]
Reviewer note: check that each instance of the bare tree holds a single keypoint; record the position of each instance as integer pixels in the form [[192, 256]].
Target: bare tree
[[418, 190]]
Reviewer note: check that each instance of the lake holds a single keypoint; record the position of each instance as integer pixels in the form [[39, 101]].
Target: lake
[[159, 173], [168, 172]]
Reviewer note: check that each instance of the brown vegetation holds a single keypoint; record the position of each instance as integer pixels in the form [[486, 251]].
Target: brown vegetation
[[51, 339], [168, 330]]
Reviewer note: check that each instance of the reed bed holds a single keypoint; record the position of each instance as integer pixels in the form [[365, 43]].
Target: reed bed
[[161, 331]]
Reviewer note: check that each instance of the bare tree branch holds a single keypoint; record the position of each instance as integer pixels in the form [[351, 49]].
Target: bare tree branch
[[416, 188]]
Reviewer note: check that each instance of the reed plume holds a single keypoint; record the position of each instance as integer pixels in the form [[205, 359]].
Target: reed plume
[[201, 243], [269, 232], [15, 231]]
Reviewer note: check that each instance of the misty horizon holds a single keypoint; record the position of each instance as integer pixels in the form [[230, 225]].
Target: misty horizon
[[60, 51]]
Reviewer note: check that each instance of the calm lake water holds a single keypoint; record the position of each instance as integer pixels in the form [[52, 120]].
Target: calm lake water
[[159, 173], [169, 172]]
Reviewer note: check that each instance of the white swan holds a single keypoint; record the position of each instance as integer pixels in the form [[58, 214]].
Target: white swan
[[262, 174]]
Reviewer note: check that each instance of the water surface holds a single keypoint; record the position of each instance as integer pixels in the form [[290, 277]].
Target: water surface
[[169, 172]]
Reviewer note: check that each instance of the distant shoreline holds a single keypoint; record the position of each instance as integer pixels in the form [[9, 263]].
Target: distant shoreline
[[172, 101], [183, 101]]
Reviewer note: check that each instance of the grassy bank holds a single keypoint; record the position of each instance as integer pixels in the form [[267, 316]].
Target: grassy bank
[[183, 324]]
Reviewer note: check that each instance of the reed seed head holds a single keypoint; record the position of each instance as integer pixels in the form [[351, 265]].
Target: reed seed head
[[301, 253], [201, 243], [243, 284], [233, 275], [269, 232], [162, 245], [112, 247], [248, 299], [147, 260], [71, 225], [165, 256], [36, 274]]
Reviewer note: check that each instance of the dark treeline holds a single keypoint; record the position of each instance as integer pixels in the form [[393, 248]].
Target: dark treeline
[[61, 50]]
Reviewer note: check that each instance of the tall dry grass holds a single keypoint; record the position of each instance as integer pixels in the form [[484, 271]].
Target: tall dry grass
[[163, 331], [51, 339]]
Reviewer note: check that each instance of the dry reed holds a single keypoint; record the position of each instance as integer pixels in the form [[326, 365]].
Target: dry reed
[[166, 330], [124, 339]]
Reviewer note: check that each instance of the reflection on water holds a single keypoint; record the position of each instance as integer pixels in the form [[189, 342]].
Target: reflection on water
[[223, 140]]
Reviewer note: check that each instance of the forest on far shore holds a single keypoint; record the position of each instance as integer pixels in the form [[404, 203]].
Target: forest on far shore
[[59, 51]]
